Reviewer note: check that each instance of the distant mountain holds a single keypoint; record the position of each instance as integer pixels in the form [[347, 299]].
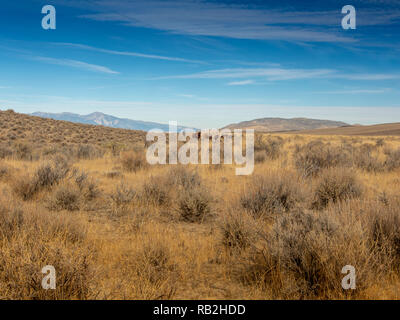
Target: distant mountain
[[385, 129], [280, 124], [98, 118]]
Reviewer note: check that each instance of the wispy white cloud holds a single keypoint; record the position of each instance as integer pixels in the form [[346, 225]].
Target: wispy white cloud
[[287, 22], [371, 76], [75, 64], [251, 63], [184, 95], [266, 73], [240, 83], [127, 53], [207, 18], [357, 91], [280, 74]]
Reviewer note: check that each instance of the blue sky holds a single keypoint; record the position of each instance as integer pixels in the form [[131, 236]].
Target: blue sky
[[203, 63]]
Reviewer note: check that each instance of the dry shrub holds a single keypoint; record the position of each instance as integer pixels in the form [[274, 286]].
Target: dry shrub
[[155, 191], [392, 161], [80, 179], [364, 159], [115, 148], [11, 221], [150, 270], [183, 178], [154, 261], [4, 171], [91, 191], [46, 176], [64, 197], [215, 166], [23, 151], [367, 148], [88, 188], [271, 194], [133, 161], [64, 153], [193, 201], [113, 174], [383, 220], [335, 185], [50, 151], [260, 157], [31, 240], [238, 230], [194, 205], [312, 158], [135, 221], [122, 198], [22, 264], [259, 143], [304, 253], [368, 162], [5, 152], [87, 151], [271, 147], [380, 142], [25, 187]]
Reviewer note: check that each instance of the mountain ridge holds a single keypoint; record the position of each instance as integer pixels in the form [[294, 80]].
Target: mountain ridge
[[99, 118], [269, 124], [286, 124], [383, 129]]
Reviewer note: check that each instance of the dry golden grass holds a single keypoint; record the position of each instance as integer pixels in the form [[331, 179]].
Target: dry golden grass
[[116, 229]]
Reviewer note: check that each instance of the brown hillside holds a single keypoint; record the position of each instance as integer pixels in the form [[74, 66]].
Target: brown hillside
[[388, 129], [37, 132], [280, 124]]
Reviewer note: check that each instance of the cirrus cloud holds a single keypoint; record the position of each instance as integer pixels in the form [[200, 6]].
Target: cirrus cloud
[[75, 64]]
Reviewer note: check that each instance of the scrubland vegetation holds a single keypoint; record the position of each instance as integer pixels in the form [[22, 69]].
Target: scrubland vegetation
[[83, 199]]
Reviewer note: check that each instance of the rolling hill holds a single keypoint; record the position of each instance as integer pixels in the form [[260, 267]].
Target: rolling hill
[[98, 118], [37, 132], [280, 124], [387, 129]]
